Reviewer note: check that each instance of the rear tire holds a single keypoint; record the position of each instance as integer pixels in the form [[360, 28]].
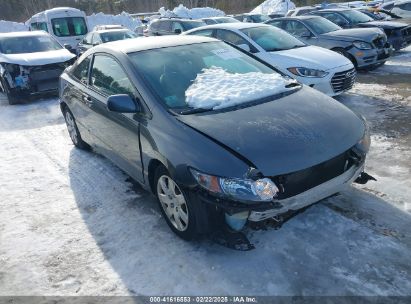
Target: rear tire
[[178, 211], [73, 130]]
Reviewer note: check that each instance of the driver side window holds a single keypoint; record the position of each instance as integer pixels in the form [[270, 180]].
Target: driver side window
[[297, 28], [96, 39], [177, 26], [337, 19]]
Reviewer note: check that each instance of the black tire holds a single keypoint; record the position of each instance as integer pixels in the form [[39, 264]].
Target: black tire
[[190, 231], [11, 97], [74, 133], [346, 55]]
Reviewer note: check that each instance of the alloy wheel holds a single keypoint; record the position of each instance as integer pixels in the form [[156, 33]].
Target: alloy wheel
[[71, 127]]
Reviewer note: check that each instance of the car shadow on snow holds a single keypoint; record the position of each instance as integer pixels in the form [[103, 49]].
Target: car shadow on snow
[[326, 250], [34, 113]]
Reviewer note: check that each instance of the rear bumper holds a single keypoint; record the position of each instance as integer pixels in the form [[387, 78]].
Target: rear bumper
[[310, 196]]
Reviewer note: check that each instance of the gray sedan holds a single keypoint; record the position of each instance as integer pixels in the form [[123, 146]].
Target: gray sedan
[[366, 48]]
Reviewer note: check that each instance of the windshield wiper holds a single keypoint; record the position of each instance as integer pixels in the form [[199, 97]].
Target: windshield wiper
[[194, 111]]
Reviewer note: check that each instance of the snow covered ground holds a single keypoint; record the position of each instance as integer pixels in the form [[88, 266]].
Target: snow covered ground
[[71, 223]]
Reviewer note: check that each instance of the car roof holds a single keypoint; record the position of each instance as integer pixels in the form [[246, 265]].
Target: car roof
[[230, 26], [303, 17], [24, 34], [112, 30], [148, 43]]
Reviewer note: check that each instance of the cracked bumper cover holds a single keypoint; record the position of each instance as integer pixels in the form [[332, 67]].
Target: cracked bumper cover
[[310, 196]]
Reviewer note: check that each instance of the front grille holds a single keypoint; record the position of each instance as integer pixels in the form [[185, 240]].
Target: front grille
[[343, 81], [303, 180], [379, 42]]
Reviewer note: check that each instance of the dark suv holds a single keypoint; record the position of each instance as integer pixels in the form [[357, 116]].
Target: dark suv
[[172, 26]]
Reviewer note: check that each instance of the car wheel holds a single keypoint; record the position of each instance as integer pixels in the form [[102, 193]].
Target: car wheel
[[346, 55], [175, 207], [73, 130], [12, 99]]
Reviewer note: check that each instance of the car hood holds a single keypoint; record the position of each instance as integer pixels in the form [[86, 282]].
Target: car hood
[[384, 24], [309, 57], [285, 135], [363, 34], [39, 58]]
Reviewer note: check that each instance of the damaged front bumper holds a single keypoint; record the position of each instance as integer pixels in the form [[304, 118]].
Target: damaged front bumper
[[32, 80], [310, 196]]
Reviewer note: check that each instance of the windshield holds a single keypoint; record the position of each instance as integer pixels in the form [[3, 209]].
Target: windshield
[[69, 26], [188, 25], [117, 35], [30, 44], [356, 17], [321, 25], [171, 71], [272, 39]]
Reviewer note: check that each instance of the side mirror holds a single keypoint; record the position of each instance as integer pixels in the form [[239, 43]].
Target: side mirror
[[68, 46], [244, 47], [122, 103], [177, 31]]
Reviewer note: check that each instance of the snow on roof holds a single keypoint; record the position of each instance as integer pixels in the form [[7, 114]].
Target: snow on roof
[[194, 13], [274, 6], [24, 34], [10, 26], [215, 88], [123, 19]]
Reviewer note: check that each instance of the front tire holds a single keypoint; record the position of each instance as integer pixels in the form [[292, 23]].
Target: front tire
[[12, 99], [346, 55], [73, 130], [178, 211]]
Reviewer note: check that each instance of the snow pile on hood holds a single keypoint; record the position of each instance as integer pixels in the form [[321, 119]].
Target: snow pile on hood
[[10, 26], [215, 88], [274, 6], [123, 19], [194, 13]]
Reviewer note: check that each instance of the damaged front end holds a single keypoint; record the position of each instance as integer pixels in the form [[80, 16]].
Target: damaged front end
[[25, 81]]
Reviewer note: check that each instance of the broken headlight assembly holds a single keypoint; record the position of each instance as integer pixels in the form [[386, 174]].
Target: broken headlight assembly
[[364, 143], [260, 190], [305, 72]]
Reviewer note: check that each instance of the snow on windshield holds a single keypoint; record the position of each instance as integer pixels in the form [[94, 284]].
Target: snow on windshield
[[216, 89]]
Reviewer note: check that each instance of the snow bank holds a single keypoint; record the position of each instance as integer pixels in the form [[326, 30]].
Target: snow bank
[[215, 88], [10, 26], [274, 6], [123, 19], [194, 13]]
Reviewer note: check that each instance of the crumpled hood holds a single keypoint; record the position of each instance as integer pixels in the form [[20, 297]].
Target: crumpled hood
[[39, 58], [363, 34], [384, 24], [309, 57], [291, 133]]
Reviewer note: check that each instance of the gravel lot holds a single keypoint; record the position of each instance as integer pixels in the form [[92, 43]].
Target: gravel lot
[[72, 224]]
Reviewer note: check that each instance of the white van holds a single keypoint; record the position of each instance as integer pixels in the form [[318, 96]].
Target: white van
[[68, 25]]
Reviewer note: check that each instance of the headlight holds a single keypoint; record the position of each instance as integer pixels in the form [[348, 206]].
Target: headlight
[[362, 45], [365, 142], [304, 72], [238, 189]]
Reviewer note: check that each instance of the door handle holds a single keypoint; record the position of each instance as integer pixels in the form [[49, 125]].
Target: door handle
[[87, 99]]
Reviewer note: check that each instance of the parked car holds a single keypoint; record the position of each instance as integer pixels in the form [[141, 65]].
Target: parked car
[[402, 8], [398, 33], [68, 25], [31, 64], [298, 11], [241, 162], [252, 18], [102, 35], [319, 68], [365, 47], [216, 20], [172, 26]]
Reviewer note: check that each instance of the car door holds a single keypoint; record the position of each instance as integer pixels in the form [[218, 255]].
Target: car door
[[117, 134]]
